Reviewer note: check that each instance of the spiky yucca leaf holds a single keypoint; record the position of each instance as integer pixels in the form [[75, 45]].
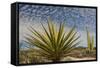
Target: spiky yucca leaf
[[53, 44]]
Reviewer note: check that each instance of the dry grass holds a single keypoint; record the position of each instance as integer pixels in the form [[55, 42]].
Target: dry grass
[[31, 56]]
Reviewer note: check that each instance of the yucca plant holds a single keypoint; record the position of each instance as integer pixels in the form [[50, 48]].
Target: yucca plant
[[54, 44], [90, 42]]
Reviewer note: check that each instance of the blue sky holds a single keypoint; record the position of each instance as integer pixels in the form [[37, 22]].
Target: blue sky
[[81, 17]]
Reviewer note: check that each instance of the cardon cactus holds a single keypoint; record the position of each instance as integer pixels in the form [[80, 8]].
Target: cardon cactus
[[90, 42]]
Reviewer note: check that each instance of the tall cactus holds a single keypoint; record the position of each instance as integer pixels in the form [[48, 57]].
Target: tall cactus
[[90, 42]]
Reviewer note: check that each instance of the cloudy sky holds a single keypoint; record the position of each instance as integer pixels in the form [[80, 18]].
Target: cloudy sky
[[36, 14]]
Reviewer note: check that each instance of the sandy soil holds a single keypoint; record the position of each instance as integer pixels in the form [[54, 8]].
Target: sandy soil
[[77, 59]]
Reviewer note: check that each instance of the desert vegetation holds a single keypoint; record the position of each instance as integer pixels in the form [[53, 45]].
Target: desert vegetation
[[56, 45], [90, 50]]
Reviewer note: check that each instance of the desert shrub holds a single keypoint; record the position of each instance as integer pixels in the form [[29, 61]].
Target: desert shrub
[[53, 44]]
